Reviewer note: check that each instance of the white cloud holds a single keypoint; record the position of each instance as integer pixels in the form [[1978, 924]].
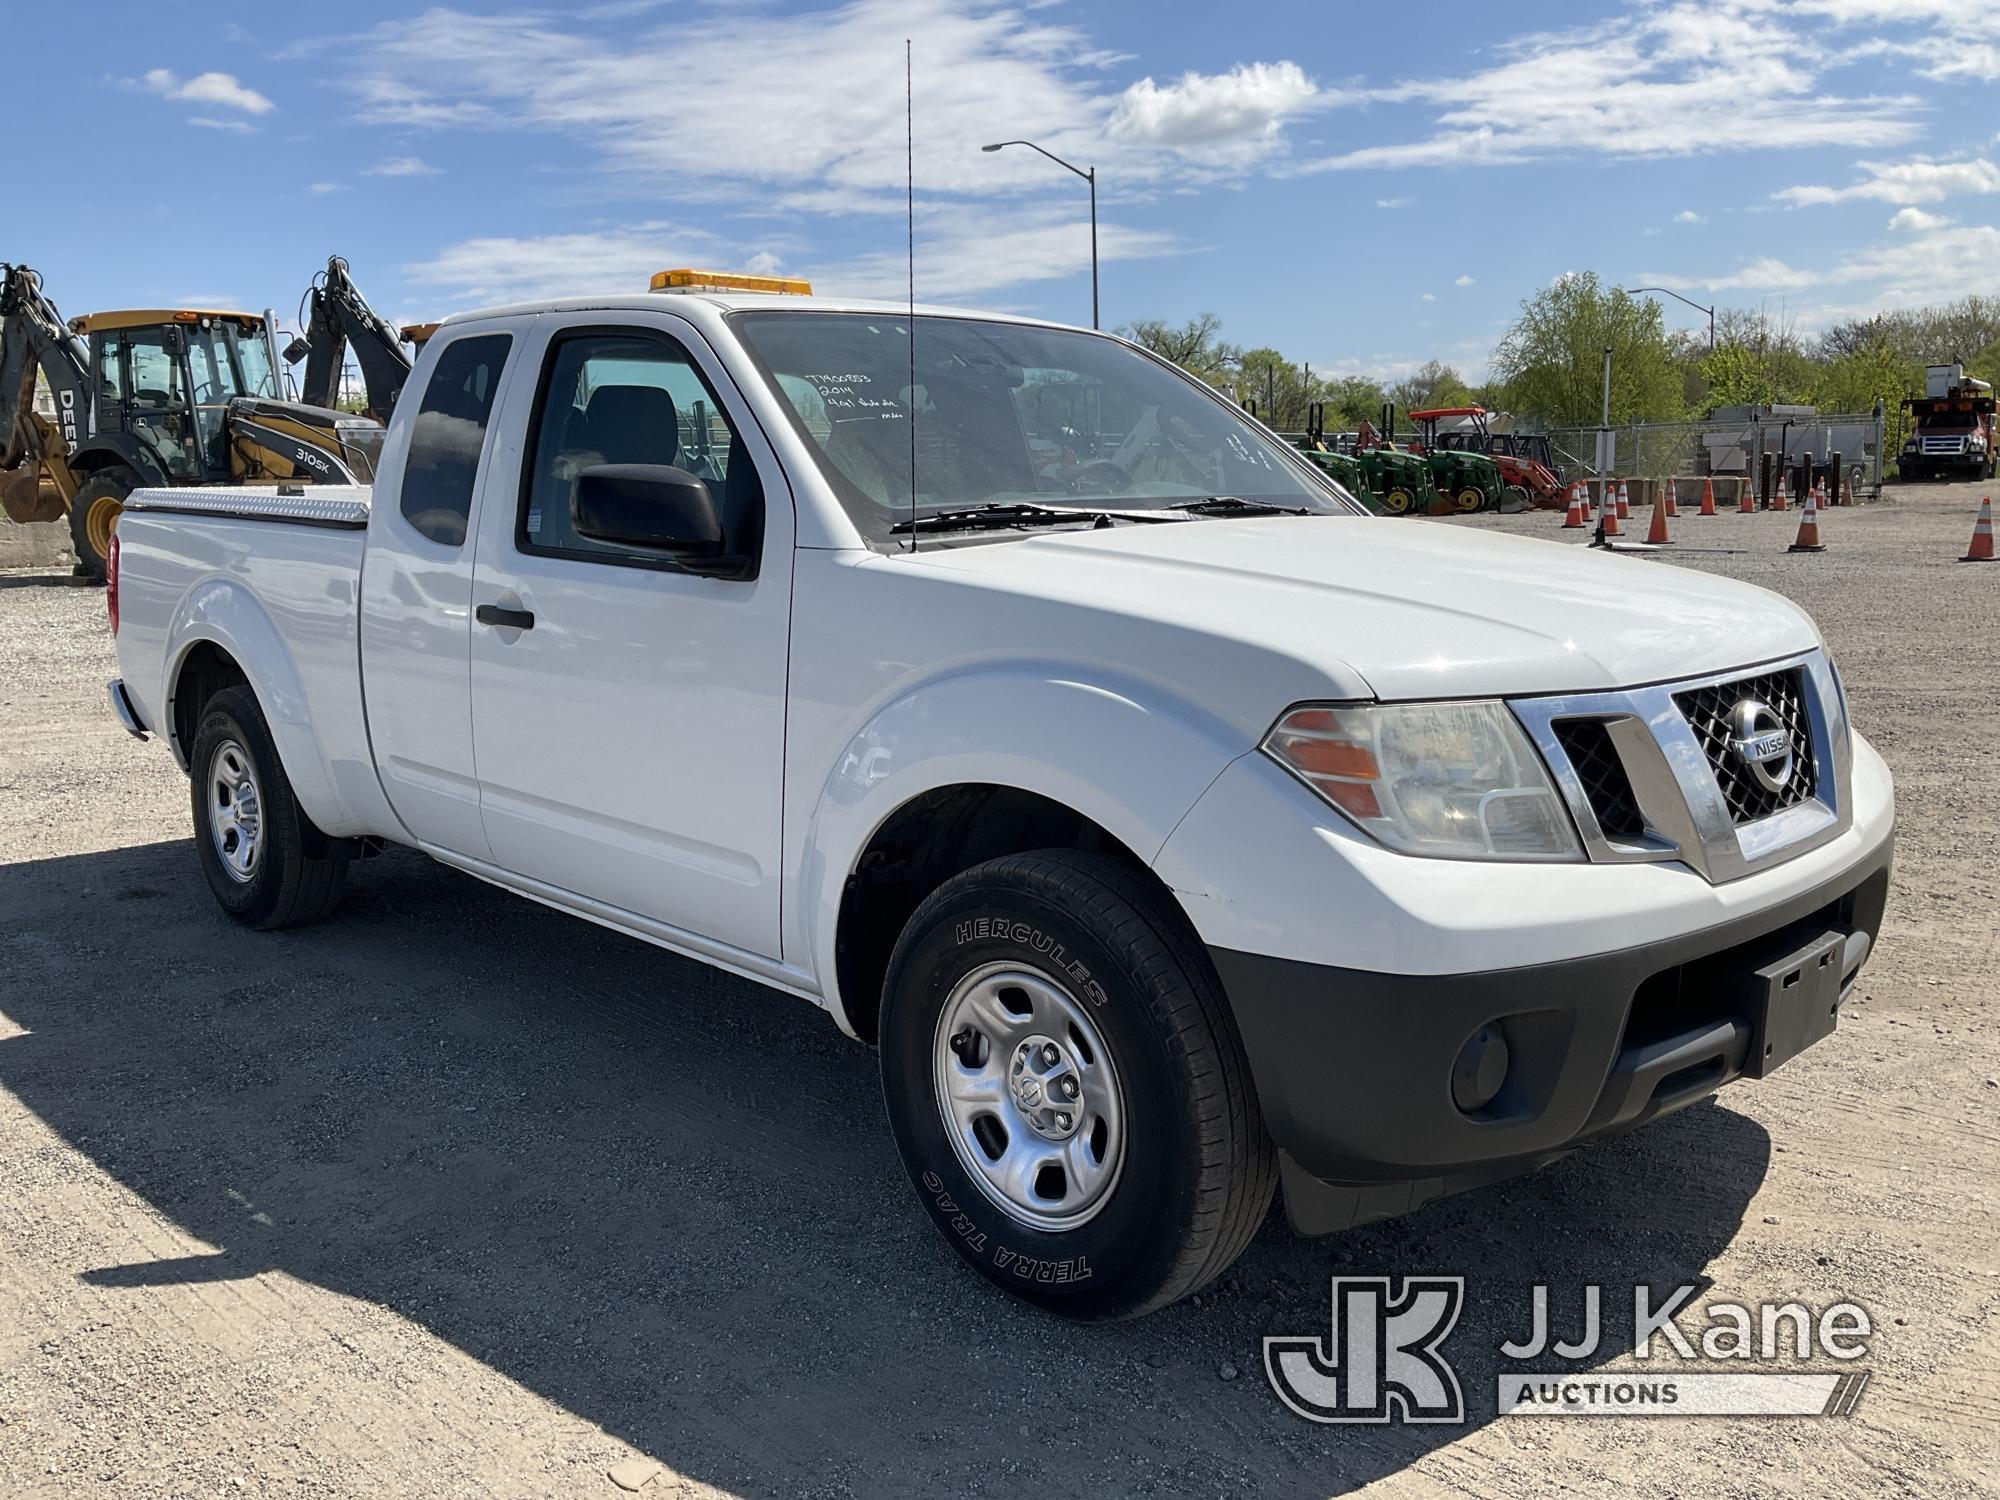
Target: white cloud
[[1767, 273], [219, 89], [500, 268], [1908, 271], [403, 166], [1430, 296], [1689, 216], [1683, 79], [1248, 103], [961, 252], [1463, 281], [239, 127], [736, 124], [323, 187], [1394, 202], [1917, 218], [1919, 180]]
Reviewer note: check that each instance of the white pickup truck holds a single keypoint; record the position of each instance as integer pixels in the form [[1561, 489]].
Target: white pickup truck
[[1174, 827]]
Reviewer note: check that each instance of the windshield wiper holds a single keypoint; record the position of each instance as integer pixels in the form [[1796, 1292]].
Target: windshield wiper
[[1002, 517], [1231, 505]]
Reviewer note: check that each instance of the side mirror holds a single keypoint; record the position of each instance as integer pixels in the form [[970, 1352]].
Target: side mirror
[[652, 508], [297, 349]]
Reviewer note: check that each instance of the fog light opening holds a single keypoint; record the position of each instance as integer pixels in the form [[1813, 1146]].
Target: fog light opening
[[1481, 1069]]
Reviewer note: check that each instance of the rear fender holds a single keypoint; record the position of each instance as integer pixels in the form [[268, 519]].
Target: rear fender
[[1127, 755], [223, 611]]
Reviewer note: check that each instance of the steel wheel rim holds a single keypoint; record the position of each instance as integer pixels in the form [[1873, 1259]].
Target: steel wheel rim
[[101, 522], [235, 812], [1029, 1093]]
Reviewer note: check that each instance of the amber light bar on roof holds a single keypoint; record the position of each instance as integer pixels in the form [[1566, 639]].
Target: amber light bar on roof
[[684, 280]]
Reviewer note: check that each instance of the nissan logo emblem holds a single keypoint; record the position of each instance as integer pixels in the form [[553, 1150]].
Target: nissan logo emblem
[[1760, 740]]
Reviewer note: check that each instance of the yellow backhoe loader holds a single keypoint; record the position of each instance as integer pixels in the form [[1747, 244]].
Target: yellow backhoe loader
[[168, 396]]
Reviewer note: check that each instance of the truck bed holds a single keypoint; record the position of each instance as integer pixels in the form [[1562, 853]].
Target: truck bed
[[276, 579]]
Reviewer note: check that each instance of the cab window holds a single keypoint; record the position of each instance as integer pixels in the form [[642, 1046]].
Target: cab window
[[449, 435], [630, 398]]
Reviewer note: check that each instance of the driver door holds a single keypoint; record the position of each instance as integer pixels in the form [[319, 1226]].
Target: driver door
[[628, 717]]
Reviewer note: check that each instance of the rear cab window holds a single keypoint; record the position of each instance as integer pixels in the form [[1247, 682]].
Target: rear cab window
[[449, 435]]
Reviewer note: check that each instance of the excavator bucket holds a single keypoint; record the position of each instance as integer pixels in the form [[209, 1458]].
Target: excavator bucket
[[24, 497]]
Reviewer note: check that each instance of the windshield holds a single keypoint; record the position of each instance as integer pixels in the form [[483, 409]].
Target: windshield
[[1007, 414], [253, 352]]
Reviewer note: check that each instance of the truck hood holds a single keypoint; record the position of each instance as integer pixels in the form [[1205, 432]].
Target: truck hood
[[1408, 609]]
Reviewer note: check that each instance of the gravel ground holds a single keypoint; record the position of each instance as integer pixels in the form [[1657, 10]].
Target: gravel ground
[[452, 1196]]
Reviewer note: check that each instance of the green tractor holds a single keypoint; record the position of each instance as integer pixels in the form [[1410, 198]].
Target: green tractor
[[1388, 479], [1465, 482]]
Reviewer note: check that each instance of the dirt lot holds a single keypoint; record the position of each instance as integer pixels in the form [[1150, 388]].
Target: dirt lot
[[454, 1196]]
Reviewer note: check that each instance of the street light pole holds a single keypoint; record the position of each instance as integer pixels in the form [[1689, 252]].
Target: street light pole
[[1634, 291], [1089, 175]]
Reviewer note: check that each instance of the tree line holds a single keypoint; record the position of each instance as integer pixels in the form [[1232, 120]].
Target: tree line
[[1548, 367]]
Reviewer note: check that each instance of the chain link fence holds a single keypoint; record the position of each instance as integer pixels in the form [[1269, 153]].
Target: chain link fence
[[1726, 446]]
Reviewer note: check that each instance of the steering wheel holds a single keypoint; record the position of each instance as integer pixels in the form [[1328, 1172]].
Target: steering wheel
[[1100, 477]]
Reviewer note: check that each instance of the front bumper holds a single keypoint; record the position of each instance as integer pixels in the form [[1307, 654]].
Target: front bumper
[[1354, 1068]]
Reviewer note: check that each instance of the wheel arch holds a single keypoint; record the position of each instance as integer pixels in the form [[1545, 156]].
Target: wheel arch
[[221, 634], [923, 843], [110, 450], [969, 768]]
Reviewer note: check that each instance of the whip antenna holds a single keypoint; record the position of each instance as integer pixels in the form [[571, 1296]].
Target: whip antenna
[[910, 227]]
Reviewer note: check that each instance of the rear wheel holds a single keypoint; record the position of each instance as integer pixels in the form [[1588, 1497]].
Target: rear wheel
[[1399, 501], [267, 864], [1469, 499], [93, 516], [1067, 1088]]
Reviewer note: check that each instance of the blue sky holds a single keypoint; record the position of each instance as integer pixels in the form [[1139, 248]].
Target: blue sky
[[1364, 186]]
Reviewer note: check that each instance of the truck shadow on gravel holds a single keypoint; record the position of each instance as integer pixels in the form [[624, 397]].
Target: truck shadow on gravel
[[667, 1199]]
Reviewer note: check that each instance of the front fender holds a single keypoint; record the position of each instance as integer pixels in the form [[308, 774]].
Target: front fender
[[223, 611], [1124, 754]]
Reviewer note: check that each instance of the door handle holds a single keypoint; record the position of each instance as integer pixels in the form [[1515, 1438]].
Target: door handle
[[506, 619]]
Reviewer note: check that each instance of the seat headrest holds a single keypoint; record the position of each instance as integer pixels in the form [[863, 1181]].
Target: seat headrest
[[634, 424]]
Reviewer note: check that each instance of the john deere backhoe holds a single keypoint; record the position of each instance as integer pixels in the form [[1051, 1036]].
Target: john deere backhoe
[[177, 396]]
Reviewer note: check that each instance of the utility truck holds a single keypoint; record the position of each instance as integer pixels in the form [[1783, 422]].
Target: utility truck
[[1951, 428], [1177, 830]]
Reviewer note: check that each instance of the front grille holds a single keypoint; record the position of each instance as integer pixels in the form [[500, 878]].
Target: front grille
[[1587, 743], [1708, 709], [1944, 445]]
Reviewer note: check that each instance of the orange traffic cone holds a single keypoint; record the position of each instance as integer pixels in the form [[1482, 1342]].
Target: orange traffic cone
[[1607, 518], [1708, 496], [1673, 498], [1657, 536], [1808, 538], [1847, 490], [1982, 534], [1746, 503], [1624, 503], [1778, 501], [1574, 520]]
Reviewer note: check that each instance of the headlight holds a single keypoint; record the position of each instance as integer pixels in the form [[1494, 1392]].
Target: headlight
[[1449, 780]]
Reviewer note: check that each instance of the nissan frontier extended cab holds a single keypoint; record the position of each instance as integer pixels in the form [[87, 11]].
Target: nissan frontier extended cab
[[1175, 828]]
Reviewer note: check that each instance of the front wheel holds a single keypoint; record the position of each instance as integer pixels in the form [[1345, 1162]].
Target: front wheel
[[1399, 501], [1067, 1088], [1469, 499]]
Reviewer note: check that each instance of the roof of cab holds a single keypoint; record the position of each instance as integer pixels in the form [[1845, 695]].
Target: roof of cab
[[703, 306], [153, 317]]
